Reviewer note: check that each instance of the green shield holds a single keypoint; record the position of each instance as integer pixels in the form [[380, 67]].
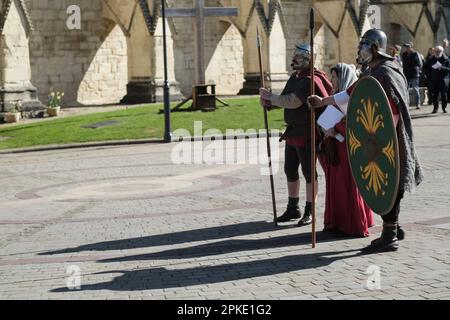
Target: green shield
[[372, 145]]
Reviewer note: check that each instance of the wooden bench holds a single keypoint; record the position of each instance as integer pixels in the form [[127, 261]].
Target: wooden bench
[[202, 99]]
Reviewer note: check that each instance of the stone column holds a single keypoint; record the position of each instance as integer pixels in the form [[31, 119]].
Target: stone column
[[145, 63], [158, 67], [277, 56], [15, 72], [141, 84]]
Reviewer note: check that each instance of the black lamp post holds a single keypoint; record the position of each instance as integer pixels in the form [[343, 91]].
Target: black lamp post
[[167, 127]]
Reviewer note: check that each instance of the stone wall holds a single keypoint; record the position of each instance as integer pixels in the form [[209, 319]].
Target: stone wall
[[78, 62], [296, 15], [226, 66], [96, 65], [15, 57], [400, 22], [106, 78], [224, 52]]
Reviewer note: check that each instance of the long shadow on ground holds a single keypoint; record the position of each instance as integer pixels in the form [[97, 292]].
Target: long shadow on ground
[[159, 278], [219, 232], [228, 246]]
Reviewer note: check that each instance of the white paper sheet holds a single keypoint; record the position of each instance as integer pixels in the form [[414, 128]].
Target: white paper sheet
[[329, 118], [342, 99], [437, 65]]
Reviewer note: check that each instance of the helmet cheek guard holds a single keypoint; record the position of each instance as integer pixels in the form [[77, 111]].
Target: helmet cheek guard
[[376, 38], [365, 54]]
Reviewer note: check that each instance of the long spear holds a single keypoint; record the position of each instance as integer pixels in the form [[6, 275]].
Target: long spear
[[313, 133], [266, 123]]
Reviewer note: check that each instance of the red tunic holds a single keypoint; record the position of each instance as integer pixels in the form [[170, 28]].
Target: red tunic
[[345, 209]]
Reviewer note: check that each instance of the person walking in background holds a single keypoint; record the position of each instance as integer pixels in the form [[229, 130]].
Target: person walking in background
[[439, 67], [395, 53], [426, 72], [445, 45], [412, 65]]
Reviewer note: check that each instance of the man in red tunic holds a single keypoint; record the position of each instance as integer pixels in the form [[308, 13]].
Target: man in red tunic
[[298, 135], [380, 65]]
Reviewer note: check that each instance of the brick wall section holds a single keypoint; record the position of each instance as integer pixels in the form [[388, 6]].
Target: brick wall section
[[226, 66], [224, 52], [106, 78], [72, 60], [296, 15], [92, 65]]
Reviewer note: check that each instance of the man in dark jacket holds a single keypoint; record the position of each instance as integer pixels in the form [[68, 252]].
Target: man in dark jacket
[[426, 73], [412, 64], [439, 67]]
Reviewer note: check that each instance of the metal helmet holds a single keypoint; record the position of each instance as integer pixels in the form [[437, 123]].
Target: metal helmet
[[303, 47], [372, 37], [302, 56]]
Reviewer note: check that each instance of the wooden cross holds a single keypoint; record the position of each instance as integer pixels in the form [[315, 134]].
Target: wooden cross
[[199, 12]]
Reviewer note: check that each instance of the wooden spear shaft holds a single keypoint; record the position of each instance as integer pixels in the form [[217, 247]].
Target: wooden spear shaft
[[266, 123], [313, 133]]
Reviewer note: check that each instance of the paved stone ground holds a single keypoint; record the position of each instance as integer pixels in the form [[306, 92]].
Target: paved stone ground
[[138, 226]]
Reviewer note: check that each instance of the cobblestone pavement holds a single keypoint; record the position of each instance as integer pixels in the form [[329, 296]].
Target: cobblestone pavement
[[134, 225]]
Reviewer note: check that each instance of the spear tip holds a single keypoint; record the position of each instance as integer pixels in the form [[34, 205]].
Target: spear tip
[[311, 19]]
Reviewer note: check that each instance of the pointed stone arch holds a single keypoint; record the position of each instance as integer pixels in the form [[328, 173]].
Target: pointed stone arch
[[226, 62], [105, 77], [20, 4], [342, 19], [266, 16], [398, 34], [15, 73], [141, 22], [425, 21]]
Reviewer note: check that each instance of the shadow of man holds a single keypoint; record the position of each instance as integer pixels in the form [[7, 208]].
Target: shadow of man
[[159, 278], [229, 246], [219, 232]]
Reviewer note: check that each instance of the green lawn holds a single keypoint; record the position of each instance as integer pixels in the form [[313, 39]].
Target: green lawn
[[136, 123]]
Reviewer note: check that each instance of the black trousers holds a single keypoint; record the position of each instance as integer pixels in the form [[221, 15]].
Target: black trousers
[[392, 216], [293, 158], [429, 95], [439, 88]]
